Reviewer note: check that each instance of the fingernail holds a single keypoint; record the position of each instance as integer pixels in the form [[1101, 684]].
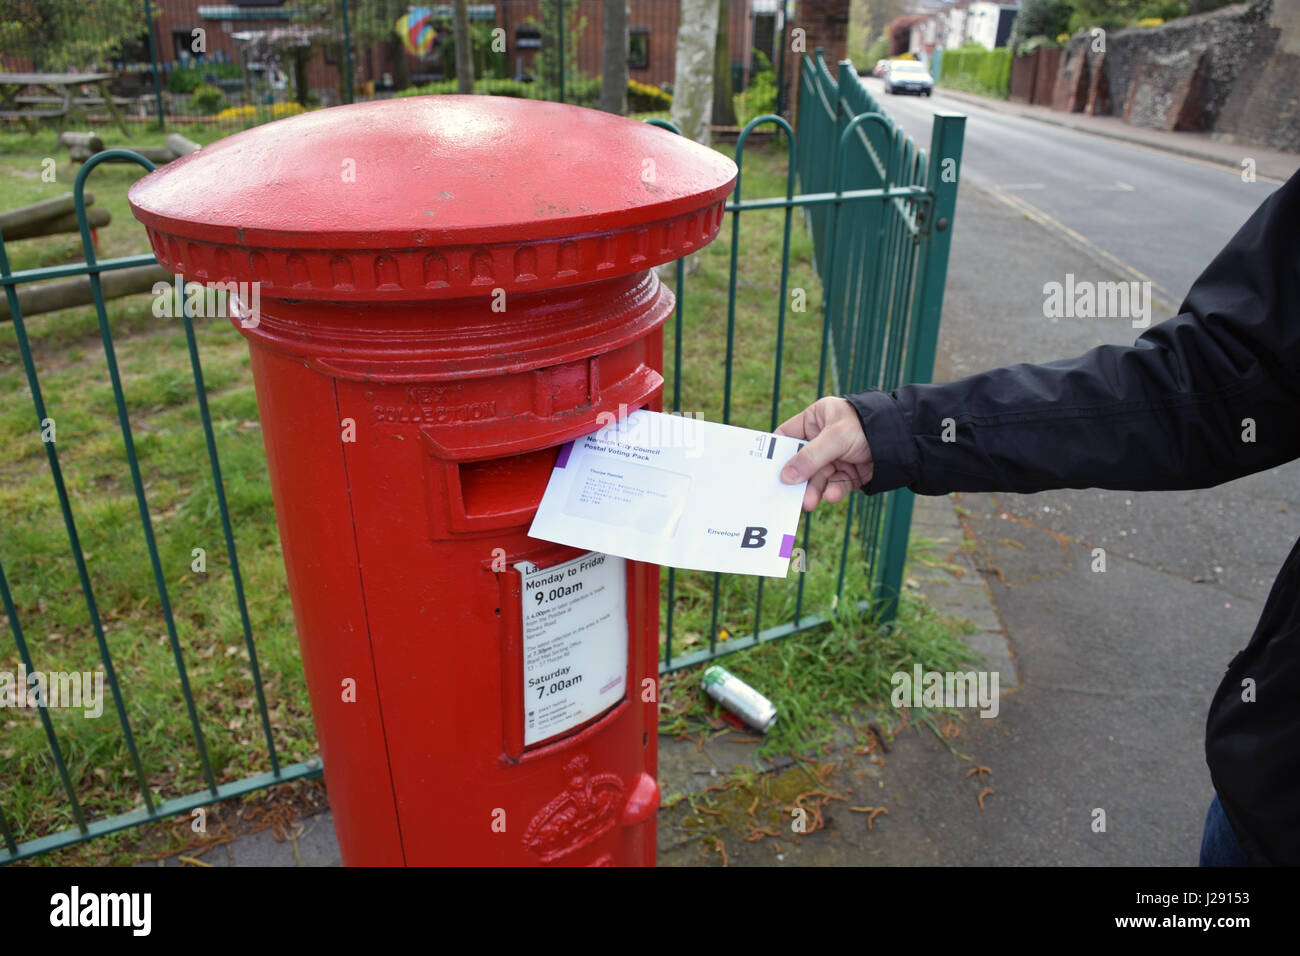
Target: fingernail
[[789, 474]]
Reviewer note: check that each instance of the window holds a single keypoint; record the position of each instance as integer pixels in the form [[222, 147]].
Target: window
[[182, 40], [638, 48]]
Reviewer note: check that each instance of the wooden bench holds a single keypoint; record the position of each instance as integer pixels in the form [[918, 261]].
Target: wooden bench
[[60, 107]]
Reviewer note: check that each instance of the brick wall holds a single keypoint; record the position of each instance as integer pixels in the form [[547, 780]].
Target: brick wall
[[1234, 71]]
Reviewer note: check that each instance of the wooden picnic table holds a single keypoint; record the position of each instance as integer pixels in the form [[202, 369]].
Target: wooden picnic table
[[58, 99]]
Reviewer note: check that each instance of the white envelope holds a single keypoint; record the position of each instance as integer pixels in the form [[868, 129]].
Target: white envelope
[[676, 491]]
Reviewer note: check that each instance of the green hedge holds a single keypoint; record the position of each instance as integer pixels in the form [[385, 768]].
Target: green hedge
[[583, 91], [987, 72]]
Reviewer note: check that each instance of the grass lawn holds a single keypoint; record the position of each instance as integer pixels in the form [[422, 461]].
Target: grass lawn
[[811, 677]]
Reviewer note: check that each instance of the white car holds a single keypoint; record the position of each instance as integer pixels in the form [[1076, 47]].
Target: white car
[[908, 76]]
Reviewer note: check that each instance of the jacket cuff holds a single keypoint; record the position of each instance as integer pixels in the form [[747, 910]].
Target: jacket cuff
[[889, 435]]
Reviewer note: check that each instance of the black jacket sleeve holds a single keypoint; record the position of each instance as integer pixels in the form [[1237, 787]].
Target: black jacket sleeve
[[1172, 411]]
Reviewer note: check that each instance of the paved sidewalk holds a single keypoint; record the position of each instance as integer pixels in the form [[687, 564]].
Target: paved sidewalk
[[684, 768], [1269, 163], [925, 788], [312, 843]]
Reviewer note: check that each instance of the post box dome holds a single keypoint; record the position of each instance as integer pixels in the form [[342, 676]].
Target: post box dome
[[433, 197]]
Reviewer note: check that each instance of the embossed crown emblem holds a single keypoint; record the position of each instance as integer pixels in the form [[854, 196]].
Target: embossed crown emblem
[[578, 816]]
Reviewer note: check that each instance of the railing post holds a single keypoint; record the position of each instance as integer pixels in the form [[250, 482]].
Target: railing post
[[559, 25], [780, 69], [923, 333], [347, 55], [153, 62]]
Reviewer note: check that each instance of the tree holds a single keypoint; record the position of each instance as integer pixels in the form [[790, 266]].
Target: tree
[[1108, 14], [63, 34], [867, 21], [1039, 18], [369, 22], [724, 113], [464, 49], [692, 109], [547, 63], [613, 58]]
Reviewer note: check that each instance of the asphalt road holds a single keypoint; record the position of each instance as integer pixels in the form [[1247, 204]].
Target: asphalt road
[[1117, 668], [1162, 214]]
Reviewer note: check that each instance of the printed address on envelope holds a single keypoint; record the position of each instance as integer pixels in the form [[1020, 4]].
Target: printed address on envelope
[[676, 491]]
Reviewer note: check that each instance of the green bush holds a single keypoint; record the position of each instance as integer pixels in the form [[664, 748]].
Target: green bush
[[759, 98], [583, 91], [976, 70], [876, 52], [1038, 18], [484, 87], [208, 99], [1162, 10], [185, 80], [1038, 43], [644, 98], [487, 63]]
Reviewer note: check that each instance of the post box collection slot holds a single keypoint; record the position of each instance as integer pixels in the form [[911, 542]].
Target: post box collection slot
[[505, 487]]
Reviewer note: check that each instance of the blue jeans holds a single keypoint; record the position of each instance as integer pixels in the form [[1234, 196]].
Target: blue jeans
[[1219, 846]]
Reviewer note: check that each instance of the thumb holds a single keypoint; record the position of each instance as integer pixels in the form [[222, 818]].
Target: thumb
[[827, 447]]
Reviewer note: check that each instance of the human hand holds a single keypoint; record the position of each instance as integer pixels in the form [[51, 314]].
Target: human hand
[[836, 459]]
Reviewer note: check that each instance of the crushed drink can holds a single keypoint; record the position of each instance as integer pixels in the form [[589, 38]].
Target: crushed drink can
[[739, 698]]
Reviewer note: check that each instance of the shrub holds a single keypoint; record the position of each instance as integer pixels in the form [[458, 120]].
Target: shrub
[[260, 114], [583, 91], [1038, 18], [644, 98], [183, 81], [987, 72], [486, 87], [1039, 43], [208, 99], [187, 79], [877, 52], [759, 98], [1161, 10]]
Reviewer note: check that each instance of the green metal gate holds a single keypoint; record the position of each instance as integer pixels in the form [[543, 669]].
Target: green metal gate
[[879, 211]]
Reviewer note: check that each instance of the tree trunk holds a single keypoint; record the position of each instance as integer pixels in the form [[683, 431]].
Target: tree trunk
[[181, 146], [613, 73], [12, 219], [464, 50], [397, 53], [724, 113], [693, 81], [300, 56], [95, 218]]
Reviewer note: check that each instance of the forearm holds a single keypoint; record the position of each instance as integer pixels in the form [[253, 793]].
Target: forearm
[[1122, 418], [1205, 397]]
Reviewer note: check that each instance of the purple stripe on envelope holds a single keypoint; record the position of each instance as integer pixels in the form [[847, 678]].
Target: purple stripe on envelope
[[787, 545], [565, 452]]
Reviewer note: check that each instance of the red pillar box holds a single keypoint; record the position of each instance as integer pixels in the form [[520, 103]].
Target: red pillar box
[[448, 289]]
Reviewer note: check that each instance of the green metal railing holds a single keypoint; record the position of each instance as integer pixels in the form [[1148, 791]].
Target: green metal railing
[[153, 810], [879, 212]]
